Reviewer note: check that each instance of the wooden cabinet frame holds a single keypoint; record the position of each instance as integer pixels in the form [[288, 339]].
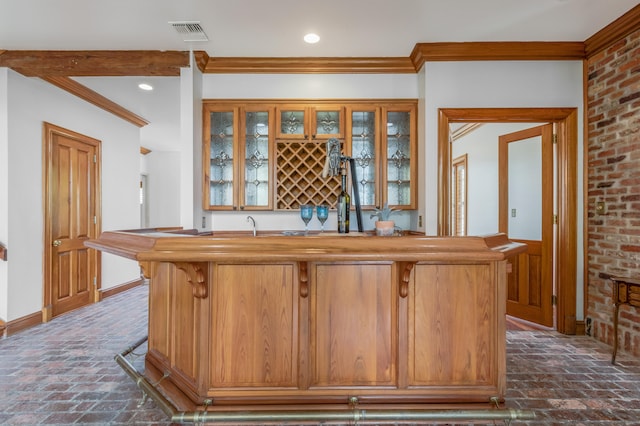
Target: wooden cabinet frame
[[310, 108]]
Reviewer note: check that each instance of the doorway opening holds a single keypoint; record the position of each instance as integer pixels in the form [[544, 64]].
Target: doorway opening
[[565, 122]]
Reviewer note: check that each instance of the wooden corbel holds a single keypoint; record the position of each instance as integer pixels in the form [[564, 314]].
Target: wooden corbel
[[404, 280], [196, 275], [145, 267], [303, 275]]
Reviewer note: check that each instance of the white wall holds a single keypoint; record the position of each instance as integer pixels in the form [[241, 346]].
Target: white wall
[[485, 84], [4, 189], [30, 102], [163, 188], [481, 147], [302, 86]]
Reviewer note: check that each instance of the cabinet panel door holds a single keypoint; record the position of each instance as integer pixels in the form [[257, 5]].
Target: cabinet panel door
[[400, 157], [353, 325], [453, 327], [220, 154], [292, 122], [327, 122], [256, 308], [363, 141], [257, 158]]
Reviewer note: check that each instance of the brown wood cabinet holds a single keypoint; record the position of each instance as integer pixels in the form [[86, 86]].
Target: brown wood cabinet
[[319, 320], [269, 154]]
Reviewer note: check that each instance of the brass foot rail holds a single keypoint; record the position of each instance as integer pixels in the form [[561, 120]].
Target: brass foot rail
[[355, 415]]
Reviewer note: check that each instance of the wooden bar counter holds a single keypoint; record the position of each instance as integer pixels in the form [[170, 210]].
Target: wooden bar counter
[[239, 322]]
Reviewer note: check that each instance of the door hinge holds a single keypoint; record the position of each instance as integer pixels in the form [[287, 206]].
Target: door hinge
[[555, 138], [555, 219], [95, 220], [95, 281], [554, 300], [95, 158]]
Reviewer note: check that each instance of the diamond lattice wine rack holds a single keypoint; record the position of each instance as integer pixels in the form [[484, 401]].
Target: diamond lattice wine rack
[[299, 175]]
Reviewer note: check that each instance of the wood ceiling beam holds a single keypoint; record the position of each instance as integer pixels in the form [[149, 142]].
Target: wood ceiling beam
[[96, 99], [90, 63]]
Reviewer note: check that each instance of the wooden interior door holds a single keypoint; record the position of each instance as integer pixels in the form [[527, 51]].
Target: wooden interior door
[[526, 215], [71, 182]]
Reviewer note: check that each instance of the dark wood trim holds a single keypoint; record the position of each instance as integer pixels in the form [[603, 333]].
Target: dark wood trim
[[87, 63], [121, 288], [83, 92], [3, 327], [310, 65], [28, 321], [567, 249], [617, 30], [3, 252], [496, 51]]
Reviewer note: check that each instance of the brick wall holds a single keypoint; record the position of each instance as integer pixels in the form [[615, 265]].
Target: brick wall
[[613, 109]]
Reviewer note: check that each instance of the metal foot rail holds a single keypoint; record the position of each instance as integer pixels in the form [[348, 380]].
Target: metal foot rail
[[354, 414]]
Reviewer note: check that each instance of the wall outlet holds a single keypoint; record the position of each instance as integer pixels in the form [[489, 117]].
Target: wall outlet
[[204, 221]]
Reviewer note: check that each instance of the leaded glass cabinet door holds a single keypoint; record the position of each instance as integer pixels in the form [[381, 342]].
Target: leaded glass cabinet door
[[327, 122], [364, 142], [221, 154], [399, 157], [292, 122], [257, 156]]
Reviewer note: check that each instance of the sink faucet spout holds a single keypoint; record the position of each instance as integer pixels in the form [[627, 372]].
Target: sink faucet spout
[[253, 223]]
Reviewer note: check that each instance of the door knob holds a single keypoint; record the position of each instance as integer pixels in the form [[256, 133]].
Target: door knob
[[56, 243]]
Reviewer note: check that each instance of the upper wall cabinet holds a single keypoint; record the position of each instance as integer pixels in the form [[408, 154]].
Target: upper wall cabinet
[[382, 141], [300, 121], [270, 155], [238, 153]]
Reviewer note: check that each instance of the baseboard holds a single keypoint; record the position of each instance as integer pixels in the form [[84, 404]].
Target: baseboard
[[28, 321], [580, 328], [121, 288]]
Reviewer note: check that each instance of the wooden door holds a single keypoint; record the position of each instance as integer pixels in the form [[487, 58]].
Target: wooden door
[[71, 182], [526, 216]]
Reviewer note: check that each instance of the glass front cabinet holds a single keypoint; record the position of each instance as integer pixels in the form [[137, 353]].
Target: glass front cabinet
[[242, 141], [238, 150], [312, 122], [382, 141]]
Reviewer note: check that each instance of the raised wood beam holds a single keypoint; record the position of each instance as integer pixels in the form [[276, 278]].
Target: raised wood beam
[[96, 99], [618, 29], [309, 65], [496, 51], [87, 63]]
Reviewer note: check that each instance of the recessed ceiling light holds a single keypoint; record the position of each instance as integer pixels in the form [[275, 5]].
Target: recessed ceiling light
[[312, 38], [145, 86]]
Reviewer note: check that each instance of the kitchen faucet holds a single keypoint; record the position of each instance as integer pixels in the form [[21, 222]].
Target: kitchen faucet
[[253, 222]]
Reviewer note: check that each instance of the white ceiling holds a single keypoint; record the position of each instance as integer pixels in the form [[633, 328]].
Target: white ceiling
[[274, 28]]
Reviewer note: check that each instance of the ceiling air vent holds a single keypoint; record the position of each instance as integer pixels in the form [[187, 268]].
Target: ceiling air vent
[[189, 30]]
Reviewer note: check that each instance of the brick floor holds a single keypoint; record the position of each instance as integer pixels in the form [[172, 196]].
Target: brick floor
[[63, 373]]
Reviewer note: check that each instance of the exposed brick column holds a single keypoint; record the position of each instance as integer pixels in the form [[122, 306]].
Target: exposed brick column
[[613, 109]]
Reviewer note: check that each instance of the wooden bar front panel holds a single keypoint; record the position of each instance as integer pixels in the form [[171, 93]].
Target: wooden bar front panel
[[353, 322], [453, 326], [254, 341]]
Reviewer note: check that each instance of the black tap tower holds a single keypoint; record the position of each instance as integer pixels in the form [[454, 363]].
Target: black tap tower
[[335, 161]]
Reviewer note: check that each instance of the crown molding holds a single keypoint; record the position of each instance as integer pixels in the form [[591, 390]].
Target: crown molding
[[309, 65], [89, 63], [617, 30], [96, 99], [496, 51]]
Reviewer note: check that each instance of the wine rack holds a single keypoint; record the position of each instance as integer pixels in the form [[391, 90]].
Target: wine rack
[[299, 175]]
